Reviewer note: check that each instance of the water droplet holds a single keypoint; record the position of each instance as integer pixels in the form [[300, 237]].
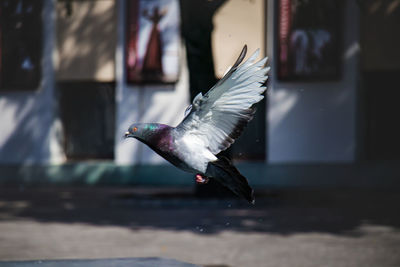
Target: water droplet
[[201, 230], [228, 223]]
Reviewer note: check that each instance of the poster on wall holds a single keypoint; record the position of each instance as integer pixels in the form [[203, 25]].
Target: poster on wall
[[309, 39], [152, 41]]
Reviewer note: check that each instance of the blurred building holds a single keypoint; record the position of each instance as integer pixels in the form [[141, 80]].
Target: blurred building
[[66, 99]]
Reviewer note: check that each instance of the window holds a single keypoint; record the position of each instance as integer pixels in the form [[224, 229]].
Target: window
[[20, 44]]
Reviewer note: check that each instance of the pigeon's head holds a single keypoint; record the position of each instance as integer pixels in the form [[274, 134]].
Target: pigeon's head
[[141, 130]]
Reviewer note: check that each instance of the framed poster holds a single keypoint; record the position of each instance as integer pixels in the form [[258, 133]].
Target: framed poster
[[309, 39], [152, 41]]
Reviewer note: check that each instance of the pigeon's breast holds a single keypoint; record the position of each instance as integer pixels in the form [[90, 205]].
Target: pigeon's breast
[[194, 152]]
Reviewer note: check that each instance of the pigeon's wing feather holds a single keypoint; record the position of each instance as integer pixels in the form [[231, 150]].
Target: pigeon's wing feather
[[187, 110], [218, 117]]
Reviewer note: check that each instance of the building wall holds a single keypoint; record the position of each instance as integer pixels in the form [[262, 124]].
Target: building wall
[[237, 23], [30, 131], [307, 122], [86, 40], [144, 103], [315, 121], [166, 104]]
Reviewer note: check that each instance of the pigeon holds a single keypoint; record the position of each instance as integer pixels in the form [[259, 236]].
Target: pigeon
[[211, 124]]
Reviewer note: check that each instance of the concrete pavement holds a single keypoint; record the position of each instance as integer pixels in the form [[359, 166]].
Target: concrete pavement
[[284, 228]]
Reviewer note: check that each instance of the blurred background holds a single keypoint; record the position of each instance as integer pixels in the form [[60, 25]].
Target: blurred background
[[322, 152]]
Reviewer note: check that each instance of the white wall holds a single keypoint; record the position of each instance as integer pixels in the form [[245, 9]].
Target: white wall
[[163, 104], [315, 122], [307, 122], [30, 131]]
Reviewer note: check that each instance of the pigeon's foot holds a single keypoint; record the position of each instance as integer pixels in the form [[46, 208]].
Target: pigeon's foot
[[200, 179]]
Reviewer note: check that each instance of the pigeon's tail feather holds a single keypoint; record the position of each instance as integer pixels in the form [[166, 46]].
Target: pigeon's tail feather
[[224, 172]]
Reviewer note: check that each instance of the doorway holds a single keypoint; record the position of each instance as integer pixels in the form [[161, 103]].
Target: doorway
[[380, 83]]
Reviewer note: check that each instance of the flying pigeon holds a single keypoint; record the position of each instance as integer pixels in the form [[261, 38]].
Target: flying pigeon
[[211, 124]]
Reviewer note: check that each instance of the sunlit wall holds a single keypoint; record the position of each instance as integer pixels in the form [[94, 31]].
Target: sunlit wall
[[306, 121]]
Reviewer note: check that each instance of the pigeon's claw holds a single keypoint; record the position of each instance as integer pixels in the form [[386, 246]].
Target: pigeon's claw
[[201, 179]]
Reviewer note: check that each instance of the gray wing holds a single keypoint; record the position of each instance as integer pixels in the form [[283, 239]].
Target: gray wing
[[219, 117]]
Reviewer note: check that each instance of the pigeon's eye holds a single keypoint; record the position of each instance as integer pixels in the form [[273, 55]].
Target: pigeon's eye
[[134, 129]]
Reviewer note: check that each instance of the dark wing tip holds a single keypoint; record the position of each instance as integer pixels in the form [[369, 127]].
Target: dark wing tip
[[244, 50], [229, 176], [231, 70], [241, 57]]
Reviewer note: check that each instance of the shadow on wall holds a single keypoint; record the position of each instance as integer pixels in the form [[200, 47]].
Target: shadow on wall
[[343, 213], [27, 123], [30, 132], [311, 120], [86, 43], [86, 40]]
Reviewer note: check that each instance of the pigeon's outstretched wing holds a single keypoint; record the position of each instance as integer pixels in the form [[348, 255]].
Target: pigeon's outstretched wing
[[218, 117]]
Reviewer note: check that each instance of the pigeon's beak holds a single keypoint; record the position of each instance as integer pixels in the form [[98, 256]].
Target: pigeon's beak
[[127, 134]]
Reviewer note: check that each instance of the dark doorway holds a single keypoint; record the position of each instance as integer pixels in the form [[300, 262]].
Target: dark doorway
[[380, 83], [87, 111], [197, 26], [382, 92]]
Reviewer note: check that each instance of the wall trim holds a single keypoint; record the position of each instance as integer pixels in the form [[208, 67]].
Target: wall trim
[[374, 175]]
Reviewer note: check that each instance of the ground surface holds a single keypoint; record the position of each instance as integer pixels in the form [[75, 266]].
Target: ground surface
[[284, 228]]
